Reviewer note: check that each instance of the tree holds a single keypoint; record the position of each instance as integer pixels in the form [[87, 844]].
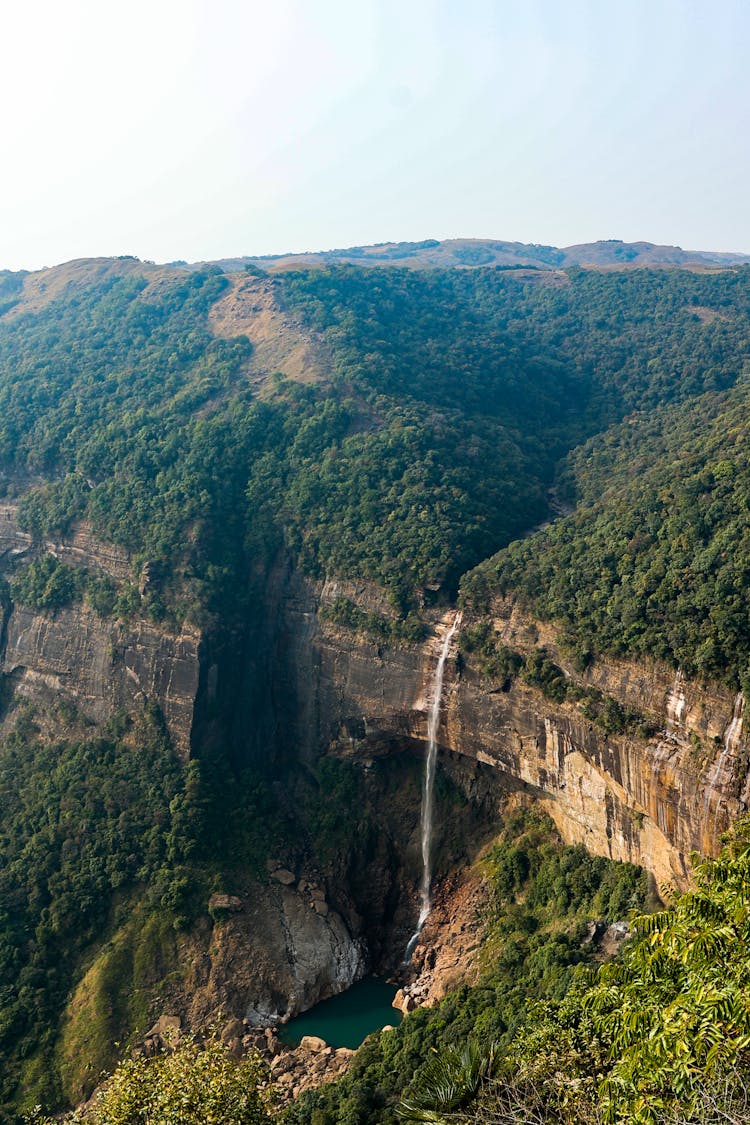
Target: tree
[[193, 1084]]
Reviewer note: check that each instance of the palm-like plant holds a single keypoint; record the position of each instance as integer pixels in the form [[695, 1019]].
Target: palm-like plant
[[448, 1082], [676, 1009]]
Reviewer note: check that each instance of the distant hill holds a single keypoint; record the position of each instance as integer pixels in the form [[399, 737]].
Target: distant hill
[[470, 253]]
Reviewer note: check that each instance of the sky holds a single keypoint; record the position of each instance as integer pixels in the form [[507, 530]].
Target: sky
[[182, 129]]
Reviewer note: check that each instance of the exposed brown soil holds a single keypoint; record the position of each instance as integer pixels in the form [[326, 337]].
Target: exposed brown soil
[[706, 315], [280, 344]]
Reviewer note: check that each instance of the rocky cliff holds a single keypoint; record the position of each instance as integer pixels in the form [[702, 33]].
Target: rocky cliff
[[299, 686], [274, 953], [316, 687], [98, 664], [650, 801]]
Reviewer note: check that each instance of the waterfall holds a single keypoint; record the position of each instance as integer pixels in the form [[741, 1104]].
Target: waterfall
[[428, 786], [730, 742]]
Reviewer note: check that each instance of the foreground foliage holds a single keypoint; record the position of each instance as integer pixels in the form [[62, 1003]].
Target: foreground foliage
[[542, 893], [661, 1034], [676, 1011], [192, 1084]]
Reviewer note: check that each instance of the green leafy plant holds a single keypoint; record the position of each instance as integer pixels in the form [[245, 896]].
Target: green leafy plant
[[191, 1084]]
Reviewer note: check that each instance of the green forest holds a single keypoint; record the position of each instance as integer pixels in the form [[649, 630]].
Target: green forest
[[452, 398], [654, 560], [573, 440]]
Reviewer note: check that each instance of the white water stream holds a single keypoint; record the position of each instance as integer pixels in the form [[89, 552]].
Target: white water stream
[[730, 744], [428, 787]]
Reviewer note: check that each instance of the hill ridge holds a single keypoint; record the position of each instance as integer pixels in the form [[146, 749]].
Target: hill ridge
[[473, 253]]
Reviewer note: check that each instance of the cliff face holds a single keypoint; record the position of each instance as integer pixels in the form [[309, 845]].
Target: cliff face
[[98, 664], [319, 688], [654, 800], [277, 953], [650, 801], [295, 686]]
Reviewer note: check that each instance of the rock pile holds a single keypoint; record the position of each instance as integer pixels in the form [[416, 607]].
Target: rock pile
[[292, 1069], [297, 1069]]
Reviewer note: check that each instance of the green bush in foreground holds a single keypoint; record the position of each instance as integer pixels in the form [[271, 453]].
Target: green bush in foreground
[[190, 1085], [661, 1035]]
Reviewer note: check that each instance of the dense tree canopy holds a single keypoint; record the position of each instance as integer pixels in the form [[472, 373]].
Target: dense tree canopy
[[656, 558], [451, 396]]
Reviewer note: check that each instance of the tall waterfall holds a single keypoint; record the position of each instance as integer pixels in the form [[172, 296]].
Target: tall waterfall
[[730, 744], [428, 786]]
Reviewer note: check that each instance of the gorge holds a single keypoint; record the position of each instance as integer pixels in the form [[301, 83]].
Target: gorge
[[251, 591]]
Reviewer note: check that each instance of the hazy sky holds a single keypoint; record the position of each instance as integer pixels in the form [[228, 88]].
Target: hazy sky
[[185, 129]]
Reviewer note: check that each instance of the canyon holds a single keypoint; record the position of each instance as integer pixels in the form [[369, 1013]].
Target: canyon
[[315, 688], [329, 689]]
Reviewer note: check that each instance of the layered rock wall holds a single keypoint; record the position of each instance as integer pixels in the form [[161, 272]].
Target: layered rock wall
[[651, 801], [99, 664], [312, 687]]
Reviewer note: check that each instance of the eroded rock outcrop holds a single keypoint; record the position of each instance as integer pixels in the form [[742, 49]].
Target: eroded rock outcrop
[[273, 956]]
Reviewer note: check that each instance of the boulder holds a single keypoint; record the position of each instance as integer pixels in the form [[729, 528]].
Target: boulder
[[165, 1030], [404, 1001], [224, 902], [313, 1043], [234, 1029], [284, 876]]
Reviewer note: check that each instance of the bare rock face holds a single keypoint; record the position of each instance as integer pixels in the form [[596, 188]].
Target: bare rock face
[[78, 548], [650, 801], [103, 665], [99, 664], [445, 954], [654, 800], [335, 688], [269, 960]]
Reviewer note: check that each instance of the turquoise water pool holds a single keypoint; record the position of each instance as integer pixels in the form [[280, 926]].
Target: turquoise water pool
[[345, 1020]]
